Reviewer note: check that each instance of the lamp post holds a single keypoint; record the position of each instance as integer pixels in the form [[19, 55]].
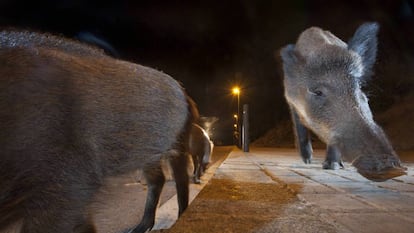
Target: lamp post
[[236, 91]]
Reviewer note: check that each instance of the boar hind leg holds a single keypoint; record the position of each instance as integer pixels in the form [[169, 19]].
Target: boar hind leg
[[155, 181], [303, 138], [179, 165], [333, 158]]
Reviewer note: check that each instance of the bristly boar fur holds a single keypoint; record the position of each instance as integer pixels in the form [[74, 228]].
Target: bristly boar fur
[[71, 117]]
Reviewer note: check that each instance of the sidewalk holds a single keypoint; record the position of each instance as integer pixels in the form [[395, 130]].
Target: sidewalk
[[271, 190]]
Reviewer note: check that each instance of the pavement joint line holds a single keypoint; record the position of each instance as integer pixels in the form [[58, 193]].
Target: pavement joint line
[[339, 190], [361, 199], [324, 213], [273, 177], [314, 180], [332, 188], [345, 177], [379, 208], [352, 196], [401, 181]]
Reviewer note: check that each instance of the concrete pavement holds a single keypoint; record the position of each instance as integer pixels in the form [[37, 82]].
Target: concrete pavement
[[271, 190]]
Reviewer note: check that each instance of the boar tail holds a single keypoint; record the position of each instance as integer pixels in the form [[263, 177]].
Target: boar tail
[[192, 117], [193, 111]]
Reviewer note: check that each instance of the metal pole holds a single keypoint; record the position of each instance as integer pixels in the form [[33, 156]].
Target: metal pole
[[238, 104], [239, 139], [245, 128]]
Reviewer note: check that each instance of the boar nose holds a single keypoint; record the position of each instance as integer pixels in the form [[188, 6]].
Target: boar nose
[[379, 167]]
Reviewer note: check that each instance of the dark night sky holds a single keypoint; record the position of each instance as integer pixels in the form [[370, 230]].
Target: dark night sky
[[212, 45]]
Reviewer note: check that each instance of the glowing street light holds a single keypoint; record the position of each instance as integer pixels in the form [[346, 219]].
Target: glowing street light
[[236, 91]]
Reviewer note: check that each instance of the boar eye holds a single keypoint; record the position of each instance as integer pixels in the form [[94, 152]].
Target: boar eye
[[316, 92]]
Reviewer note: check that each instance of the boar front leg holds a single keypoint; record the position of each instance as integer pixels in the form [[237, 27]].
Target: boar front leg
[[333, 158], [155, 181], [179, 166], [303, 138]]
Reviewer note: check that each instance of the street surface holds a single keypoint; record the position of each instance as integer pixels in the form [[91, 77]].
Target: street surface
[[120, 203], [270, 190]]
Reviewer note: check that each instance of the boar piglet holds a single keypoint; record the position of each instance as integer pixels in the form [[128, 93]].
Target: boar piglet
[[322, 79], [70, 117]]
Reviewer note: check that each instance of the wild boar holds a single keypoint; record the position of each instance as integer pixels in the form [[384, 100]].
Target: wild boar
[[200, 148], [72, 117], [323, 77]]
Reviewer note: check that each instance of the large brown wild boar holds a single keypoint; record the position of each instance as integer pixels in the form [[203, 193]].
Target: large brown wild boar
[[70, 116]]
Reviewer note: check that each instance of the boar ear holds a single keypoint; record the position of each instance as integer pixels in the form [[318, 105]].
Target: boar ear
[[288, 54], [290, 59], [364, 43]]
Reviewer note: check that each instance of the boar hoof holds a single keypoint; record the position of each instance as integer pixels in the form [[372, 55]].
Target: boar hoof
[[307, 160], [379, 168], [197, 180], [332, 165]]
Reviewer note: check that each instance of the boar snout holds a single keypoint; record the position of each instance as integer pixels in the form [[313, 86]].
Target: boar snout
[[379, 167]]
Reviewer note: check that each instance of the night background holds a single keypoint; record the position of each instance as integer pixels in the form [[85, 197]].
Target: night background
[[211, 46]]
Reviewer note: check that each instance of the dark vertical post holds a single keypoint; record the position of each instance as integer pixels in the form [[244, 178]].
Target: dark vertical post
[[245, 128], [239, 123]]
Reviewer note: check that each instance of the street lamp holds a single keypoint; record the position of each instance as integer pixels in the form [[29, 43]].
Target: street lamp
[[236, 91]]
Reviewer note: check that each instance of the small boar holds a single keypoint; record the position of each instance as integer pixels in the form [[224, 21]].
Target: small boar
[[72, 117], [323, 77], [200, 148]]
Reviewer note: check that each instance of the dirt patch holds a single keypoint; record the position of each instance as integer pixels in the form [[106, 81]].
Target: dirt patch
[[230, 190], [228, 206]]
